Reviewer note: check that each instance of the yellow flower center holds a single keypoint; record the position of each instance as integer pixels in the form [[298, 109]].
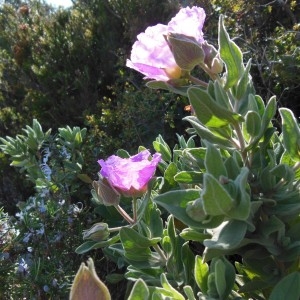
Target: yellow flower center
[[173, 72]]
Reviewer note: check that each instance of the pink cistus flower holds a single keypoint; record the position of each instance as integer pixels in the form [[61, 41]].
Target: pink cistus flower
[[130, 176], [151, 54]]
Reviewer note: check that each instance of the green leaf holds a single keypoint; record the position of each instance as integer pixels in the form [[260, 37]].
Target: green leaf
[[188, 260], [191, 234], [151, 215], [284, 172], [189, 292], [168, 287], [85, 178], [90, 245], [231, 55], [123, 153], [162, 147], [227, 236], [216, 199], [132, 240], [243, 82], [253, 123], [147, 274], [267, 116], [220, 278], [175, 202], [212, 289], [137, 248], [287, 160], [207, 134], [287, 288], [175, 259], [201, 272], [178, 86], [195, 157], [189, 177], [139, 291], [224, 276], [291, 133], [221, 96], [232, 167], [169, 181], [213, 162], [242, 207], [208, 111]]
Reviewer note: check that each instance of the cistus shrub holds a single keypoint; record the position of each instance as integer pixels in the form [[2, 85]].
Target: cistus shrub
[[220, 220]]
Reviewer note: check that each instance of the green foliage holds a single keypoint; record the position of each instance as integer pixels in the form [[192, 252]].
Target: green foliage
[[52, 162], [236, 196], [37, 246]]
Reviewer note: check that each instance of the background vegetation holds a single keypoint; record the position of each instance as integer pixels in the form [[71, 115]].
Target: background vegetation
[[66, 69]]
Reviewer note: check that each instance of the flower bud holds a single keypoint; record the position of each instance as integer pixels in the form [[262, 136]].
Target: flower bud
[[217, 66], [87, 285], [186, 50], [210, 52], [98, 232], [212, 59], [195, 210], [105, 193]]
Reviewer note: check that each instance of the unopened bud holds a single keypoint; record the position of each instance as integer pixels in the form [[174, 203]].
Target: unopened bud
[[104, 193], [217, 66], [98, 232], [186, 50], [87, 285], [212, 59], [195, 210], [210, 53]]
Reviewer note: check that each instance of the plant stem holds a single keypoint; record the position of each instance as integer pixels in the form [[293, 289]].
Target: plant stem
[[296, 166], [115, 229], [197, 81], [160, 252], [242, 145], [134, 209], [124, 214]]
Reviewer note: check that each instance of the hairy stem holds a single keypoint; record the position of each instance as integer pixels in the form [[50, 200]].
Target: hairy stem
[[124, 214], [197, 81], [160, 252]]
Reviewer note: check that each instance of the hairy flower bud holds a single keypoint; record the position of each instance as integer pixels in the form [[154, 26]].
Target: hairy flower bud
[[186, 50], [212, 59], [217, 65], [105, 193], [195, 210], [87, 285], [98, 232]]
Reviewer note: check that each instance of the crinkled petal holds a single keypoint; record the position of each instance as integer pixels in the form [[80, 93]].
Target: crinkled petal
[[151, 54], [189, 21], [129, 174], [149, 71]]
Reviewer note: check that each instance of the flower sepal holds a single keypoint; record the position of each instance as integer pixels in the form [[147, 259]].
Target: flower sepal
[[212, 58], [104, 193], [187, 52]]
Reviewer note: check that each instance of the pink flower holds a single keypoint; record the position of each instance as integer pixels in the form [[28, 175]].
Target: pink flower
[[189, 21], [151, 54], [130, 176]]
